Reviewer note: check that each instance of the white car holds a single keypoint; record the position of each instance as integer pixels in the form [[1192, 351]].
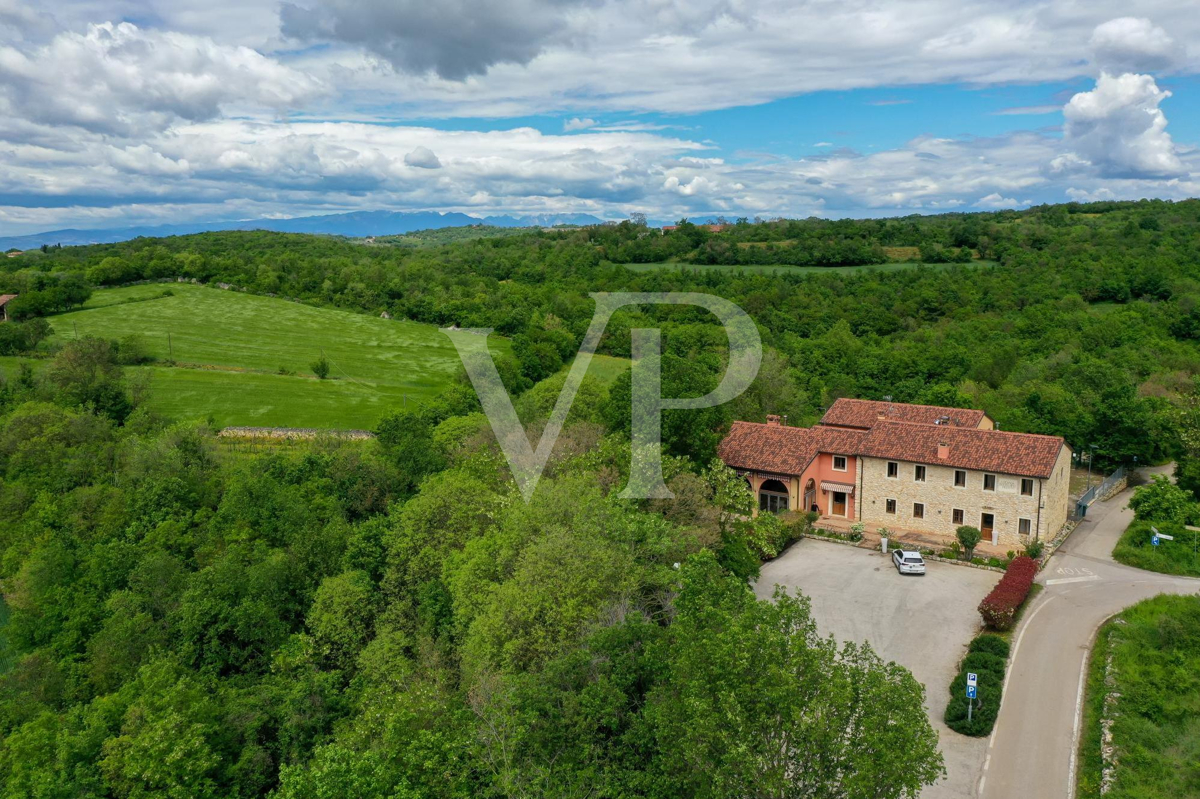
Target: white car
[[908, 562]]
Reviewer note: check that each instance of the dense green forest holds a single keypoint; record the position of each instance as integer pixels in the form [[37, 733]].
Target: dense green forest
[[389, 619]]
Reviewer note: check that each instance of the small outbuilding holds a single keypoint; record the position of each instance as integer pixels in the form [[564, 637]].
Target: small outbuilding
[[5, 299]]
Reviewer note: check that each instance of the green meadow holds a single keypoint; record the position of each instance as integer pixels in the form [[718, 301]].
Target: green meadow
[[243, 359]]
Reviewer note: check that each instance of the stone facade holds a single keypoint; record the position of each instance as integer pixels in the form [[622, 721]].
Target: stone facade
[[1045, 508]]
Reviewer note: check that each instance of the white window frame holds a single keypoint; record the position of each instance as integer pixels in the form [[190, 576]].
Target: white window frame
[[1026, 521], [845, 463], [922, 506], [1023, 481], [888, 471], [963, 472], [962, 516], [924, 472], [895, 506], [985, 482]]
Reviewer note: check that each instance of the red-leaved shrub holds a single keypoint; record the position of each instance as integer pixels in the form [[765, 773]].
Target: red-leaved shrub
[[999, 608]]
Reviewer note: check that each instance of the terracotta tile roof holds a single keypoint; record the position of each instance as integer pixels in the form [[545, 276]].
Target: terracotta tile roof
[[789, 450], [865, 414], [784, 450], [4, 299], [768, 448], [1022, 454]]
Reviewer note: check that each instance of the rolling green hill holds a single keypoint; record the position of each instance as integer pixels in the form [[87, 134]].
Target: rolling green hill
[[245, 359]]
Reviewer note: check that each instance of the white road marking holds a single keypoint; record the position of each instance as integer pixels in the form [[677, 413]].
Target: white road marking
[[1012, 661], [1061, 580], [1075, 731]]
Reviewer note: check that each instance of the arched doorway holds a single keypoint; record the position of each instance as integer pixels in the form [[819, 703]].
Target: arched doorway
[[810, 496], [772, 496]]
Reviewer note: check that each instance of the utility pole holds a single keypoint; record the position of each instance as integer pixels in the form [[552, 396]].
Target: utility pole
[[1091, 457], [170, 349]]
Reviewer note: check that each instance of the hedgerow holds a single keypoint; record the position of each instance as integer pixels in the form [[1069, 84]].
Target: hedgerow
[[999, 608]]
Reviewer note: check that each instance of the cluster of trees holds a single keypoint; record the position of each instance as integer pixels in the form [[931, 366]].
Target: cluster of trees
[[1086, 329], [388, 619], [42, 292]]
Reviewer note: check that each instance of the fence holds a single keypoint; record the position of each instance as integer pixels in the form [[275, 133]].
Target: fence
[[1102, 491]]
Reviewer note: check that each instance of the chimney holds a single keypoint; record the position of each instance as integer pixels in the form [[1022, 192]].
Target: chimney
[[881, 416], [943, 451], [773, 419]]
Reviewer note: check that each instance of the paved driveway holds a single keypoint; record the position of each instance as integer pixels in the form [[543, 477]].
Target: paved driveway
[[922, 623], [1033, 748]]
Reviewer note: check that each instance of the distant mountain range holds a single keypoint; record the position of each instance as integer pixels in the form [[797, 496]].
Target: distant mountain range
[[358, 223]]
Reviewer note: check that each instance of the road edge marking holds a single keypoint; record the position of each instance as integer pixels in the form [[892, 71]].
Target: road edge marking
[[1012, 660]]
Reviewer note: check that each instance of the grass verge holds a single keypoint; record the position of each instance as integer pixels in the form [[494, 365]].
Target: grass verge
[[1179, 556], [1148, 659]]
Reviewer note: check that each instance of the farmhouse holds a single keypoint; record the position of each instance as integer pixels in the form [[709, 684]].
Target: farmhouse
[[5, 299], [922, 468]]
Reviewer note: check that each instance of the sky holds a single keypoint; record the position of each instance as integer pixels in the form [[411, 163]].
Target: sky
[[116, 113]]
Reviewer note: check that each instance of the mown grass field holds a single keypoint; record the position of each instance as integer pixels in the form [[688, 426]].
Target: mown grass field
[[1153, 649], [229, 348], [773, 269]]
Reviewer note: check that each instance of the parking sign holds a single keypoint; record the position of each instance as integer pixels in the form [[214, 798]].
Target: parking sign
[[970, 692], [972, 679]]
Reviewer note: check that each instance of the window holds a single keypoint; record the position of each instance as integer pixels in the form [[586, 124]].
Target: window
[[1026, 487], [957, 516], [919, 474], [989, 482], [893, 469], [890, 505], [918, 510], [839, 463], [960, 478], [1024, 526]]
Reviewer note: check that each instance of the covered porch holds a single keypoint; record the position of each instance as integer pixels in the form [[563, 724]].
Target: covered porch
[[776, 493]]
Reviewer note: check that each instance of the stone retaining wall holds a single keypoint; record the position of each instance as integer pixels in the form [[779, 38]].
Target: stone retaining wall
[[293, 433]]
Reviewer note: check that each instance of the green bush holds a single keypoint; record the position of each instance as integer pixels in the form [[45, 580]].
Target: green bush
[[992, 644], [987, 658]]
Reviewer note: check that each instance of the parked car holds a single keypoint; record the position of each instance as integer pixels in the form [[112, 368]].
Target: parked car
[[908, 562]]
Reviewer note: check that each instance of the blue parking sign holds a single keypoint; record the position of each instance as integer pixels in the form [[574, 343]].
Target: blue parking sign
[[1154, 540], [970, 692]]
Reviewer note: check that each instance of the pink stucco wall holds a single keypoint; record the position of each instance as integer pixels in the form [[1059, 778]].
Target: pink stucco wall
[[821, 469]]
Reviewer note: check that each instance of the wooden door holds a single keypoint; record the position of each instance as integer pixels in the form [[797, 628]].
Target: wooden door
[[986, 522], [839, 503]]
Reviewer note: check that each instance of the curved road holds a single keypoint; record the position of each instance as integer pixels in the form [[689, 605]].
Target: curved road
[[1031, 753]]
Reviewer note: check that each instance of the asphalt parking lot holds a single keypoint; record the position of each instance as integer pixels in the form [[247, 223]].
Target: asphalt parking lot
[[921, 622]]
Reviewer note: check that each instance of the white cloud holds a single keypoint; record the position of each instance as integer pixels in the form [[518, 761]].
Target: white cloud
[[624, 56], [423, 158], [1118, 128], [1130, 44], [123, 80], [191, 115], [1025, 110], [994, 200]]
